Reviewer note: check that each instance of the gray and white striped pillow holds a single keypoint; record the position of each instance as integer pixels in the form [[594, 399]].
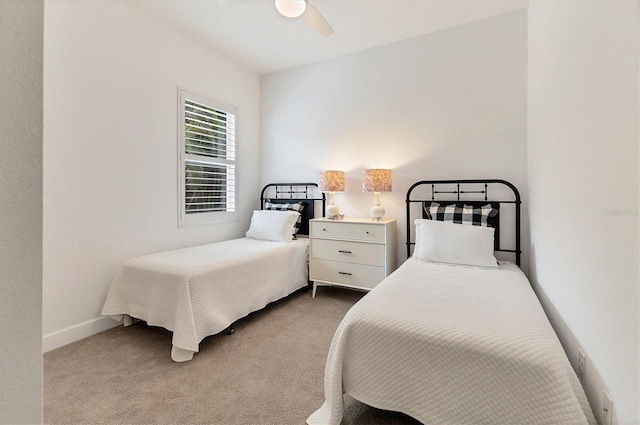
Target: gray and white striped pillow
[[459, 213]]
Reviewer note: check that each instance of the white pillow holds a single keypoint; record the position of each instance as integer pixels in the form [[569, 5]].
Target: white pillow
[[453, 243], [272, 225]]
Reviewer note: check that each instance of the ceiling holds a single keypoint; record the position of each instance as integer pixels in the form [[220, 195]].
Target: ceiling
[[255, 34]]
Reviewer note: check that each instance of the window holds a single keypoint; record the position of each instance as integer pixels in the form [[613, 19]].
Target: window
[[207, 160]]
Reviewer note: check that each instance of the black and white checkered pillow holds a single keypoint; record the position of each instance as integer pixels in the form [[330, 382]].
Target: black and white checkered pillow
[[297, 206], [459, 213]]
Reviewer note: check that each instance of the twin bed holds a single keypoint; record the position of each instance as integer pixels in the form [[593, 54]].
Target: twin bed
[[200, 291], [453, 336]]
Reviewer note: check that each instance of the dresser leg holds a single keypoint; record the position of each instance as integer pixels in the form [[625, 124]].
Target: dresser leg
[[313, 293]]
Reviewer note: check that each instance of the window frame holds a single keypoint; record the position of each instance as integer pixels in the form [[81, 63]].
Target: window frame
[[185, 219]]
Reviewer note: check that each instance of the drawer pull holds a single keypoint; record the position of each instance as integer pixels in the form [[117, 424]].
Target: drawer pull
[[345, 273], [344, 252]]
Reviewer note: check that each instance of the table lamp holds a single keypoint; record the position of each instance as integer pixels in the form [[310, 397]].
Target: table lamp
[[331, 181], [376, 180]]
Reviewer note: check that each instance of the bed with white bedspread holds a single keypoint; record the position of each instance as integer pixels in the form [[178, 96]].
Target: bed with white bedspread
[[451, 337], [200, 291], [450, 344]]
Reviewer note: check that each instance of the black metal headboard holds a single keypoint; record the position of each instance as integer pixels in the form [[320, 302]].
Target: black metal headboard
[[447, 192], [305, 193]]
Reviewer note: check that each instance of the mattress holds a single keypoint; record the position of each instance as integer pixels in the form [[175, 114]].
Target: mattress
[[453, 345], [200, 291]]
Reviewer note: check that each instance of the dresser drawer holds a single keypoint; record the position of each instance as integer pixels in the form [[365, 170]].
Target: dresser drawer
[[345, 230], [349, 252], [346, 273]]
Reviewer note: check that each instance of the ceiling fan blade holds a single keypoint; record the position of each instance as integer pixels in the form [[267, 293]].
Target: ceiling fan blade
[[317, 21]]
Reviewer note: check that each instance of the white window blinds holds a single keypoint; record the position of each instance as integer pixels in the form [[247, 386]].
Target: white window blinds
[[208, 144]]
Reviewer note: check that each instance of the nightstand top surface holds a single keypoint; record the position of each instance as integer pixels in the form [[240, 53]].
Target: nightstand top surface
[[367, 220]]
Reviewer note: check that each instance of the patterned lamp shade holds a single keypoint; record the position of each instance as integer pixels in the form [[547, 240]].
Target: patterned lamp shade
[[331, 181], [376, 180]]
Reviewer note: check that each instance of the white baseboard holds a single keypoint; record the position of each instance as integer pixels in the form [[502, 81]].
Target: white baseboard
[[77, 332]]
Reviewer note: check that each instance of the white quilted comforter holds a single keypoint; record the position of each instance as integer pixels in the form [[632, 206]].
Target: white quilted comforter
[[200, 291], [453, 345]]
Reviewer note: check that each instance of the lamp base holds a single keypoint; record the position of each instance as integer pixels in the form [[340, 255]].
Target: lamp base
[[333, 212], [377, 212]]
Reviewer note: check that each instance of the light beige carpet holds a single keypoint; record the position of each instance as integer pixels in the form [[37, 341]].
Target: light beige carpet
[[270, 372]]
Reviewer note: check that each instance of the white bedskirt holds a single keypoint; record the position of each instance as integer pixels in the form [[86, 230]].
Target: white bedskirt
[[199, 291], [453, 345]]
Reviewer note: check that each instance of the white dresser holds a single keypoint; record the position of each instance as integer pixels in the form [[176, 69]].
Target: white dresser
[[354, 253]]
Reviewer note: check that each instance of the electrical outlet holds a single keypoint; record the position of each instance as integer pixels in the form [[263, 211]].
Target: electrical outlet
[[582, 365], [607, 409]]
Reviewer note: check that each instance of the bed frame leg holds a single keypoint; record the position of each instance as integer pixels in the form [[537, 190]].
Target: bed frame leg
[[230, 330], [128, 320]]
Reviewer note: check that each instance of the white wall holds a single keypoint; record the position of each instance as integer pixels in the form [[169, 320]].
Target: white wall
[[111, 73], [583, 187], [21, 211], [451, 104]]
